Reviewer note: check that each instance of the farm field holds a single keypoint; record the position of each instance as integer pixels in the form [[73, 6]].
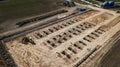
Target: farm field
[[112, 57], [12, 9]]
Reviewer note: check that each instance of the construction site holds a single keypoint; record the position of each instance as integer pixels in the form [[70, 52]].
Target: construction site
[[76, 37]]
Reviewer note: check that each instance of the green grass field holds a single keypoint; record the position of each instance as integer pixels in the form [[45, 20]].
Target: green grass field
[[12, 9]]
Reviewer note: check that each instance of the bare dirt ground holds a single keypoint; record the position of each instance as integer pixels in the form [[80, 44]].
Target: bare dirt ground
[[68, 41], [100, 18]]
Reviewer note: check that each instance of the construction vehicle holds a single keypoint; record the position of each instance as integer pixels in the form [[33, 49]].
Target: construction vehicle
[[69, 3], [27, 40], [110, 4], [80, 9]]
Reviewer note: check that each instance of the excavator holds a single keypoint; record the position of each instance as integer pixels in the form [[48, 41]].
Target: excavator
[[27, 40]]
